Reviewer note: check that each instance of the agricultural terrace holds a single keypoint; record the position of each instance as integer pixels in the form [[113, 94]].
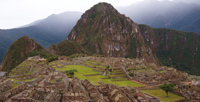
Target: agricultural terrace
[[83, 70], [162, 95]]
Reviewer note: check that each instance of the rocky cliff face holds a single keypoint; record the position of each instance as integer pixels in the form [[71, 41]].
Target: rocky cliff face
[[103, 30], [18, 51]]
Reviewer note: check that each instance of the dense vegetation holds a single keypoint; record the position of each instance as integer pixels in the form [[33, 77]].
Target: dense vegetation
[[167, 88], [47, 55], [175, 48], [21, 49]]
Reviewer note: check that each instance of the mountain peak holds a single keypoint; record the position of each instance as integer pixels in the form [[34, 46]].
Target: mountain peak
[[17, 52], [103, 30], [102, 6]]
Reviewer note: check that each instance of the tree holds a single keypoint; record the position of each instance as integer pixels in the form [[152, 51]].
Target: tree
[[167, 87]]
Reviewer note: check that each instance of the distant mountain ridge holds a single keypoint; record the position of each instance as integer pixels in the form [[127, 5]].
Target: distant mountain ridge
[[178, 15], [47, 31]]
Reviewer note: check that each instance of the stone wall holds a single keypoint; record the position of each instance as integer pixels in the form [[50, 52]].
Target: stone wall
[[189, 94], [4, 86], [23, 100], [66, 82], [63, 85], [74, 96], [36, 80], [4, 96], [149, 83], [147, 88], [25, 77], [53, 96], [124, 71]]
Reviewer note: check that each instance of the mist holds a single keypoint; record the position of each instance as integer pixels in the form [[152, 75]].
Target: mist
[[159, 14]]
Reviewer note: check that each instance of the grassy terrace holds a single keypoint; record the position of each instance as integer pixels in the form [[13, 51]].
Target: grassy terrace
[[117, 75], [82, 70], [93, 62], [162, 71], [162, 95], [55, 64]]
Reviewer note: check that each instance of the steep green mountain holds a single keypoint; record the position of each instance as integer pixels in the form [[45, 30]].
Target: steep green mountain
[[21, 49], [174, 48], [102, 30], [45, 32]]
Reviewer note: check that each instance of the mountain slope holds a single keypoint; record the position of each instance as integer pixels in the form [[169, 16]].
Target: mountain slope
[[21, 49], [102, 30], [47, 31], [17, 52], [174, 48]]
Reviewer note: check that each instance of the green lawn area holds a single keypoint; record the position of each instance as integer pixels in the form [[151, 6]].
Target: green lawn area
[[162, 95], [82, 70]]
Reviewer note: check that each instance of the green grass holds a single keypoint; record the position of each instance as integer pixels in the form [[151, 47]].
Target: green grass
[[102, 66], [53, 80], [117, 75], [162, 95], [143, 70], [82, 70], [94, 62], [162, 71], [90, 64]]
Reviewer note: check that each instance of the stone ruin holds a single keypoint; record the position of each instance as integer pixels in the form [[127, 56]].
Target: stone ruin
[[171, 75], [76, 92], [60, 84], [6, 85], [45, 94], [191, 92], [54, 86], [8, 94]]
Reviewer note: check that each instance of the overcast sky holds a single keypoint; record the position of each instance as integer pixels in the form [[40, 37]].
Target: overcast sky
[[15, 13]]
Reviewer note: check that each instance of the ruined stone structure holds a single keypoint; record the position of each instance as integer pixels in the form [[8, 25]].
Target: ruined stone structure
[[191, 92], [62, 85], [170, 76], [93, 91], [49, 85], [74, 96], [12, 92], [4, 86]]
